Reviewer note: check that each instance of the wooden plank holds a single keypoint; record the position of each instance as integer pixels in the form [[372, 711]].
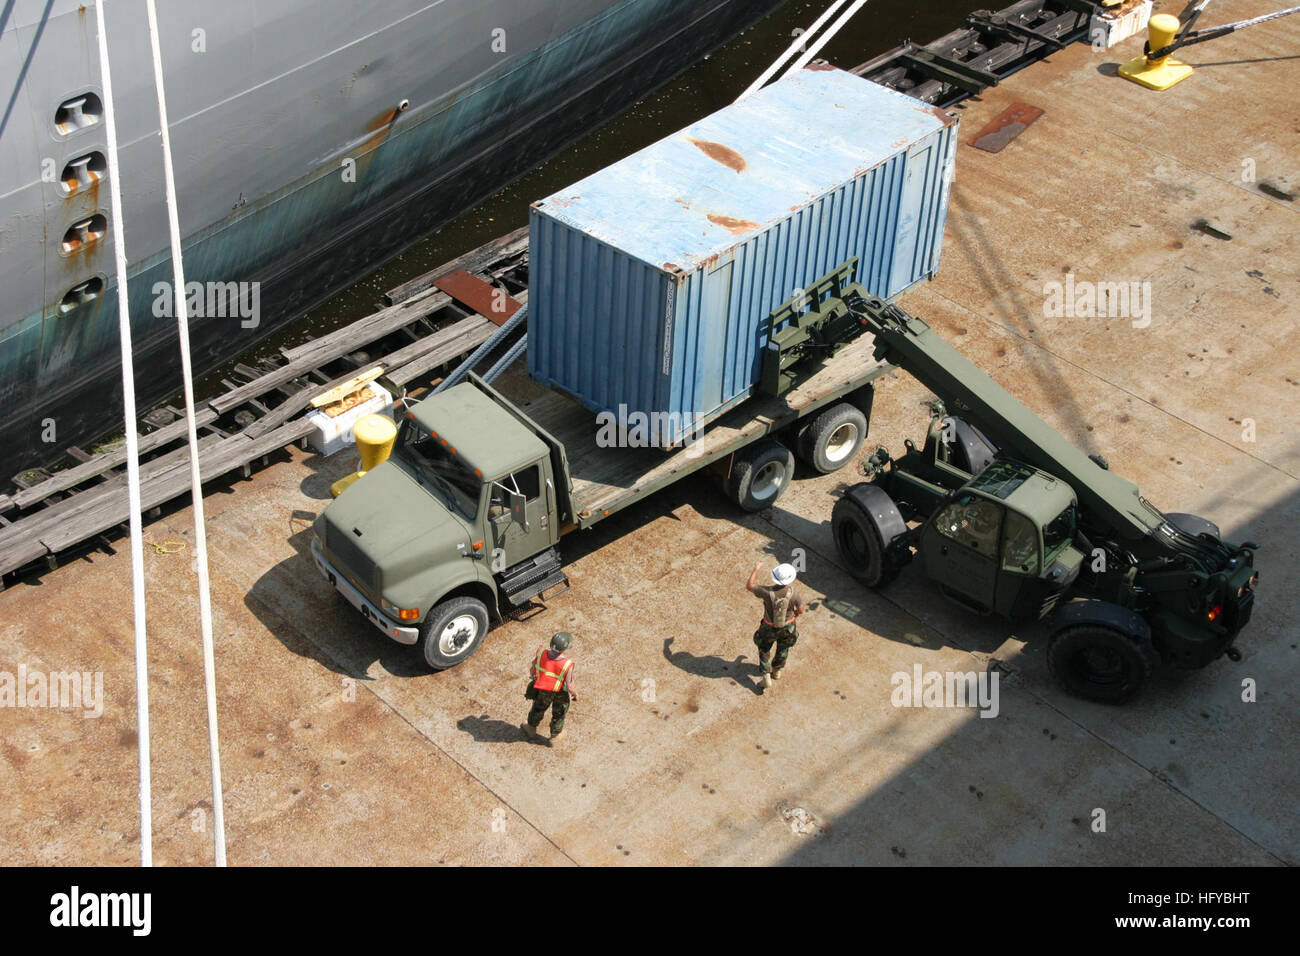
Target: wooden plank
[[609, 479], [170, 483], [511, 244], [458, 338], [70, 477], [353, 384], [72, 508], [446, 352], [329, 347]]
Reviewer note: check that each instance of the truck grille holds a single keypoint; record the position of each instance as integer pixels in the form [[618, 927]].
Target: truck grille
[[350, 560]]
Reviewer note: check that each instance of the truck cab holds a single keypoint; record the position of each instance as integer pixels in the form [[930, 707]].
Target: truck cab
[[428, 543], [1004, 542]]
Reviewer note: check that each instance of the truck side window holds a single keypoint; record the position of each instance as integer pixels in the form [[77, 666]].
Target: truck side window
[[528, 482], [973, 522], [1020, 545]]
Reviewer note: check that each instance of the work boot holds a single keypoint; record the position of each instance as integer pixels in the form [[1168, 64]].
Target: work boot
[[776, 675], [555, 736], [529, 729], [767, 680]]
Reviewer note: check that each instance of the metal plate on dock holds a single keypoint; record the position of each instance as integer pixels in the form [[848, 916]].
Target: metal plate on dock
[[487, 300], [1005, 127]]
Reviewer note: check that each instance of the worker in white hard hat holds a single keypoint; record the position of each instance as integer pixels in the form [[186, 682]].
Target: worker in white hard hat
[[782, 606]]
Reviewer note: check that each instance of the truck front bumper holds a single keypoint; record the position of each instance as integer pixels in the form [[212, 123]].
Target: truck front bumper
[[403, 635]]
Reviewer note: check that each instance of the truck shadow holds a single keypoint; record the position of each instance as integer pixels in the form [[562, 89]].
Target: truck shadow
[[296, 604]]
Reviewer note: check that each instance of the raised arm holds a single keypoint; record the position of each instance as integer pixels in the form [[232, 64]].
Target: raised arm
[[753, 578]]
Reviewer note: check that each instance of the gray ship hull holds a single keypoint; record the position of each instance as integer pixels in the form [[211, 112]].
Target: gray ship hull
[[296, 166]]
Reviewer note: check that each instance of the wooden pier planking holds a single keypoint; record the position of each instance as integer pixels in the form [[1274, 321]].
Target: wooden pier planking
[[511, 244], [92, 494], [97, 464]]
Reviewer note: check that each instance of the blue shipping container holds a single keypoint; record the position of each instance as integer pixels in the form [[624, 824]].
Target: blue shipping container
[[650, 282]]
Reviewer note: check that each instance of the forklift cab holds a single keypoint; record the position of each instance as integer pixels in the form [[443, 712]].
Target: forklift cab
[[1004, 542]]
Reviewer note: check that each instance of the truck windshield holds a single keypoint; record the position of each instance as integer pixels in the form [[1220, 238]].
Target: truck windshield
[[1059, 531], [435, 466]]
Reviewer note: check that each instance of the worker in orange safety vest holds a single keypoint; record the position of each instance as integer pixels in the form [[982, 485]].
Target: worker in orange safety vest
[[550, 686]]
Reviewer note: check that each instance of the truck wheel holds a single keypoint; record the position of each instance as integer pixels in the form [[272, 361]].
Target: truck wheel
[[760, 475], [832, 438], [453, 631], [860, 544], [1100, 663], [1194, 525]]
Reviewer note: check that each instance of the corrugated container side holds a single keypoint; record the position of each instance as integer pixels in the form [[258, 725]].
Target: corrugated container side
[[596, 318], [891, 217], [615, 330]]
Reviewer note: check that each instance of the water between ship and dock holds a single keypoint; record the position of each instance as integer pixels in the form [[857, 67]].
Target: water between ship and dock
[[339, 747]]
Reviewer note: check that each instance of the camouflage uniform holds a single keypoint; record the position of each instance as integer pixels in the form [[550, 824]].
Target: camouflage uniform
[[783, 637], [558, 703], [778, 627]]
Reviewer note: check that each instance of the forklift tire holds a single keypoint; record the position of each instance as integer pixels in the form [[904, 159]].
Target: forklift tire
[[452, 631], [833, 437], [1101, 663], [760, 474], [860, 543], [1194, 525]]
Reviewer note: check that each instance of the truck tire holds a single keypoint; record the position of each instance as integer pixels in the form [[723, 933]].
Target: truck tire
[[833, 437], [1100, 663], [452, 631], [1194, 525], [860, 540], [760, 474]]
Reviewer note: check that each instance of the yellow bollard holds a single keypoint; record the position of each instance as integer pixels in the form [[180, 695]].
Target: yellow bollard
[[1162, 73], [374, 435]]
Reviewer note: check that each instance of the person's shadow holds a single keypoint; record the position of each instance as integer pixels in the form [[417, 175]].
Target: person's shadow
[[713, 667], [489, 730]]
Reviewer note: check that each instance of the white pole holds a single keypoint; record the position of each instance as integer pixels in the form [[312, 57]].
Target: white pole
[[116, 226], [196, 483], [799, 41], [822, 40]]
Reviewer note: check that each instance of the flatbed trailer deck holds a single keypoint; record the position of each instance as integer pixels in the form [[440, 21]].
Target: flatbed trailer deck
[[607, 480]]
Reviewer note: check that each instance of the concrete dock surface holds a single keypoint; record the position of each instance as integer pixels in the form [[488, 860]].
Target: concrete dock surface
[[339, 747]]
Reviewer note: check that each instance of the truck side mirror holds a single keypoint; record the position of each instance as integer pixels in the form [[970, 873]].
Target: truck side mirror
[[518, 513]]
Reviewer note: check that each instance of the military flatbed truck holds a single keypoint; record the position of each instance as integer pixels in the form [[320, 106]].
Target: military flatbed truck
[[464, 521], [1009, 517]]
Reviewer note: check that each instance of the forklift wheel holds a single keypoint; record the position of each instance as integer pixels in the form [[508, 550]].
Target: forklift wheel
[[760, 475], [833, 438], [1099, 663], [452, 631], [859, 542]]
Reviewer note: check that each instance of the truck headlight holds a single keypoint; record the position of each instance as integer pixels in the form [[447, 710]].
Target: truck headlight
[[401, 613]]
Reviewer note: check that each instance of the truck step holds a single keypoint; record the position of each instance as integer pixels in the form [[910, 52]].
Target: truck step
[[530, 578], [554, 579]]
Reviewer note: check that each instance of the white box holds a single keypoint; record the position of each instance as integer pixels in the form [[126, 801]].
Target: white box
[[334, 433], [1118, 23]]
